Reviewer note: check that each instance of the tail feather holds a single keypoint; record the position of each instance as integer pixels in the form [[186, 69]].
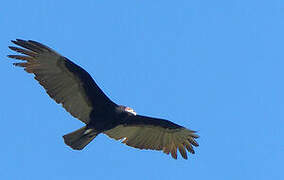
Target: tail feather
[[80, 138]]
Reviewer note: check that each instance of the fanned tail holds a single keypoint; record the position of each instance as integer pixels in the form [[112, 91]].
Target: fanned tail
[[80, 138]]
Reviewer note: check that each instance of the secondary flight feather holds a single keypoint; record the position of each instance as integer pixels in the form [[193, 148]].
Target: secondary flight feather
[[70, 85]]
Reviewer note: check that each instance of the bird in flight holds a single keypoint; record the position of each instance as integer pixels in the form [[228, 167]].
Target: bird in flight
[[70, 85]]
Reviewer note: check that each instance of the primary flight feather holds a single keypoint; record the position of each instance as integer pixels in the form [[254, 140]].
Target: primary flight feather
[[70, 85]]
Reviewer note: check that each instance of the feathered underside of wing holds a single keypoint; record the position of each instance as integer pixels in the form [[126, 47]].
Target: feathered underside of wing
[[167, 136], [65, 82]]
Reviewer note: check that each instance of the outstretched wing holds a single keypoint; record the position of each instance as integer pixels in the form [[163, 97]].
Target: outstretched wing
[[157, 134], [65, 82]]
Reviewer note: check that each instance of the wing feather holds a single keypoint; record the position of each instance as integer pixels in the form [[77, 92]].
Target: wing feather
[[157, 134], [166, 142], [182, 151], [173, 148], [65, 82]]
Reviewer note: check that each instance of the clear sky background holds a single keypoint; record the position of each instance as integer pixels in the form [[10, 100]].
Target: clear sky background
[[212, 66]]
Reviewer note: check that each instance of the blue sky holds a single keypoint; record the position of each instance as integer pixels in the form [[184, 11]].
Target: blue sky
[[212, 66]]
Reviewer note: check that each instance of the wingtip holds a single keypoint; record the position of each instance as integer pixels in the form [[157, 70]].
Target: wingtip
[[17, 64], [184, 156], [174, 155], [20, 40], [16, 41], [12, 47], [196, 136]]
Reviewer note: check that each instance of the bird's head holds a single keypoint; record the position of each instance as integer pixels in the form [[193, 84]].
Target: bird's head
[[128, 109]]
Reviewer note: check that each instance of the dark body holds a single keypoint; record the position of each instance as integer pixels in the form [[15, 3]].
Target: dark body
[[70, 85]]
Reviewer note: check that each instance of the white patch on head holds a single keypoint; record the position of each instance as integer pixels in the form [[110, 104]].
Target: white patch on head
[[130, 110]]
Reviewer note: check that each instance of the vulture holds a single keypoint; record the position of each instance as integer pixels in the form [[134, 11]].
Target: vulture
[[70, 85]]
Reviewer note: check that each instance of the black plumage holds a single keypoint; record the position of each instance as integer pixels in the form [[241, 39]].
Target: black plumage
[[70, 85]]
